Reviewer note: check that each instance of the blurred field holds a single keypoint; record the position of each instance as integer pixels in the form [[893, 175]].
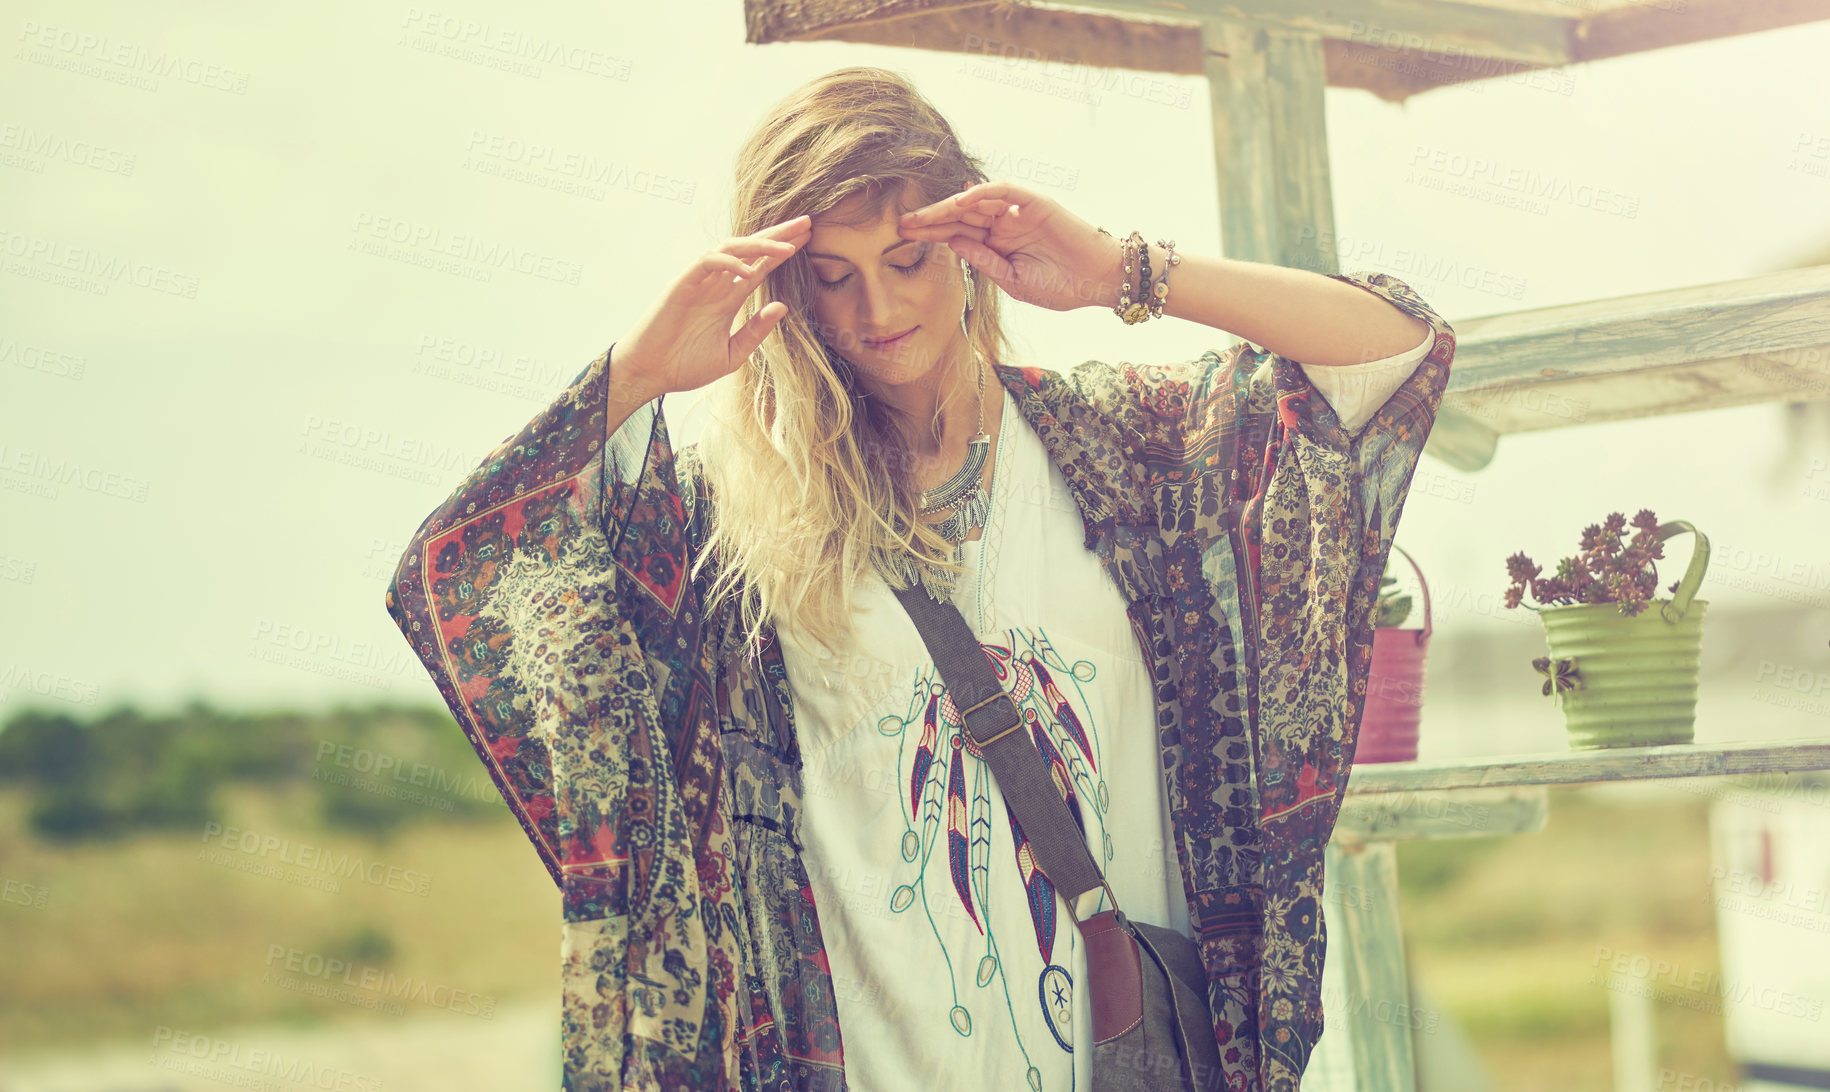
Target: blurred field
[[1512, 935], [125, 913], [140, 933], [136, 932]]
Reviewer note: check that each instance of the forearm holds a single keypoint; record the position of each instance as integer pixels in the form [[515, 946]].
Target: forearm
[[631, 387], [1294, 313]]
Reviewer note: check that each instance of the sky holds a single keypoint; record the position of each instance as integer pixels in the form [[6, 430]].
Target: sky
[[239, 364]]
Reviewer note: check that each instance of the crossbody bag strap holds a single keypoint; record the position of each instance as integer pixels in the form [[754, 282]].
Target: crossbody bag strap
[[996, 727]]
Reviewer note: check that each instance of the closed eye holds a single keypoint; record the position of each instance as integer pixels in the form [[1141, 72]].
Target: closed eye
[[905, 270]]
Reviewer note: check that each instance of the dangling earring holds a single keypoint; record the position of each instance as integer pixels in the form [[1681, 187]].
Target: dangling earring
[[970, 288]]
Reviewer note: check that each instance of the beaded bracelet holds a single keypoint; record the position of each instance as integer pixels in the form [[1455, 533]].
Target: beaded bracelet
[[1131, 311], [1149, 302], [1159, 292], [1143, 279]]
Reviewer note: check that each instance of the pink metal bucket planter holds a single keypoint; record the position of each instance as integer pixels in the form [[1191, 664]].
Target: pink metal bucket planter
[[1394, 687]]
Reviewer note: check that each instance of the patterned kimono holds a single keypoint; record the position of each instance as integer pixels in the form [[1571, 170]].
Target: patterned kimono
[[651, 756]]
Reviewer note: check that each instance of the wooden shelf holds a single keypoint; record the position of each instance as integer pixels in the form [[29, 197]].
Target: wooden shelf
[[1759, 339], [1593, 767]]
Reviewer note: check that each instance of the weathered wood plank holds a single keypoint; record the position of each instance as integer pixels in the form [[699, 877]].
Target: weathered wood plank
[[1774, 313], [1465, 442], [1474, 35], [1039, 41], [1756, 378], [1270, 145], [1635, 28], [1593, 767], [1095, 49], [1435, 813], [1393, 48], [1759, 339], [1366, 935]]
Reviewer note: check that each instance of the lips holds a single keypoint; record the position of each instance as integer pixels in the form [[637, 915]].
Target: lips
[[887, 342]]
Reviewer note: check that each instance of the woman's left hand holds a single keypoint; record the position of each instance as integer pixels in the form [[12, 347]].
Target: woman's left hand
[[1029, 245]]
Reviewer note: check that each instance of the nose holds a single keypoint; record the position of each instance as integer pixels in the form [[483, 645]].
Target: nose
[[876, 308]]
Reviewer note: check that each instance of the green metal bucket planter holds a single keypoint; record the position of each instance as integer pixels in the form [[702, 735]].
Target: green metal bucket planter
[[1630, 681]]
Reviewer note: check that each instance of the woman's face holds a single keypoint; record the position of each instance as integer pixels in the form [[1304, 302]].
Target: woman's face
[[871, 285]]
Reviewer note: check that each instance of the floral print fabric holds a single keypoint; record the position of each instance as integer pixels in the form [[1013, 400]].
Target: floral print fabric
[[653, 762]]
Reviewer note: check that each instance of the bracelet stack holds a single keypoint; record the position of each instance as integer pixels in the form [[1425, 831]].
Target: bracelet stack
[[1151, 296]]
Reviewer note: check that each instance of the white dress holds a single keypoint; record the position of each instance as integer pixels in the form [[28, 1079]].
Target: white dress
[[952, 962]]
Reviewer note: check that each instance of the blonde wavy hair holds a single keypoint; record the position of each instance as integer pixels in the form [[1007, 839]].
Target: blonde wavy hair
[[808, 474]]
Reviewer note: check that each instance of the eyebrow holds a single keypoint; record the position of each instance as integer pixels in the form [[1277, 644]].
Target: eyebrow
[[836, 258]]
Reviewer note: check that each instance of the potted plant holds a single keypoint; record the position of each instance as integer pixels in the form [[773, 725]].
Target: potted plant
[[1623, 665], [1394, 683]]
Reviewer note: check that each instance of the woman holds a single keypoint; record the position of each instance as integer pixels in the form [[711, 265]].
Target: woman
[[691, 681]]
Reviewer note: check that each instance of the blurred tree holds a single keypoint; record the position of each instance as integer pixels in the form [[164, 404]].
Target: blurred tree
[[373, 769]]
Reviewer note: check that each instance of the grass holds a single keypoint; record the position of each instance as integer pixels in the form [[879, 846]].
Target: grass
[[141, 933], [1505, 933]]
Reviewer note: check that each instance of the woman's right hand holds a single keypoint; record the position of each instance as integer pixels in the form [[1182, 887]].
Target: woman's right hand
[[689, 338]]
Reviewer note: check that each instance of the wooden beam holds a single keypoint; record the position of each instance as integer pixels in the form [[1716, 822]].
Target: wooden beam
[[1635, 28], [1478, 34], [1759, 339], [1393, 48], [1270, 145], [1041, 42], [1593, 767], [1063, 50], [1395, 74]]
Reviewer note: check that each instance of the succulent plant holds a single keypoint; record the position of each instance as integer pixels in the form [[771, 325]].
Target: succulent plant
[[1609, 566], [1393, 607]]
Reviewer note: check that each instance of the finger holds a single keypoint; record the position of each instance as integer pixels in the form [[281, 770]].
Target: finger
[[758, 252], [947, 231], [749, 246], [986, 210], [750, 335], [992, 198], [984, 259], [946, 208], [716, 262], [729, 290], [1008, 193], [732, 289], [926, 213], [724, 290], [943, 214]]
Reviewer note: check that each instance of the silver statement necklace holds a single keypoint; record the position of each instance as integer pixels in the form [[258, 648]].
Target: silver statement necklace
[[964, 492], [965, 496]]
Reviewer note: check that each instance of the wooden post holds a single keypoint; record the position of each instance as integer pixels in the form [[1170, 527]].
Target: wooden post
[[1364, 933], [1271, 160], [1270, 144], [1633, 1033]]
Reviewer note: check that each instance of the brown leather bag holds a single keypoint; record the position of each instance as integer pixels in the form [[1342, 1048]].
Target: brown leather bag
[[1152, 1030]]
